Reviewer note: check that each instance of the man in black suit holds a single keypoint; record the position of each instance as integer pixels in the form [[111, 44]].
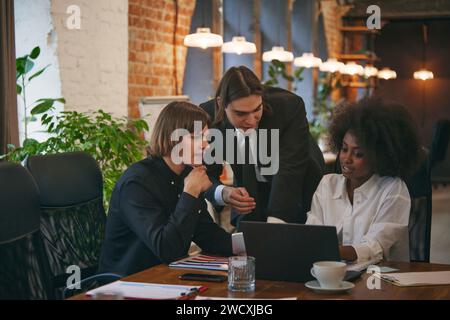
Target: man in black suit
[[285, 196]]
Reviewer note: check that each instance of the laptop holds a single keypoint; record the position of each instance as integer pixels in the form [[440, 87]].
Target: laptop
[[287, 251]]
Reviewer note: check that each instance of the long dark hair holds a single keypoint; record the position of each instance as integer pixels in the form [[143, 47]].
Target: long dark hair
[[237, 82]]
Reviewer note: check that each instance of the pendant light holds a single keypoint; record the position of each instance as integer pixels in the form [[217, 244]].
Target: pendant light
[[278, 52], [370, 71], [331, 65], [352, 68], [307, 60], [203, 37], [424, 74], [387, 74], [238, 44]]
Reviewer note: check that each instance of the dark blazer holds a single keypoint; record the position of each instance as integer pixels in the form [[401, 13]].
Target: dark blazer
[[152, 221], [287, 195]]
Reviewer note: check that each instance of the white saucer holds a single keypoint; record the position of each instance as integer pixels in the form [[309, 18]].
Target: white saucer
[[314, 284]]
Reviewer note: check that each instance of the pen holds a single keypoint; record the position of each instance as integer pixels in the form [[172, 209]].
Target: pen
[[189, 295]]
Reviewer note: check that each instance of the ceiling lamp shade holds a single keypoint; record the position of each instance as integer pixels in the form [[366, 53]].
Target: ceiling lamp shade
[[331, 65], [307, 60], [351, 68], [370, 71], [278, 53], [423, 74], [203, 38], [239, 45], [387, 74]]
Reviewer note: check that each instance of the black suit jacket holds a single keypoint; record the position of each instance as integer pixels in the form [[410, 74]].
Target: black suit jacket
[[287, 195]]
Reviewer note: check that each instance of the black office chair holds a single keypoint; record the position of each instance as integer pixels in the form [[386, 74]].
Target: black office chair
[[72, 213], [23, 267], [420, 191], [440, 153]]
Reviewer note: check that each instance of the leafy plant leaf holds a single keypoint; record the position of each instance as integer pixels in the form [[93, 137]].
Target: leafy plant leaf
[[42, 107], [29, 142], [35, 53], [298, 73], [278, 64], [45, 105], [29, 64], [270, 83], [18, 89], [62, 100], [20, 65], [37, 74], [31, 119], [272, 73]]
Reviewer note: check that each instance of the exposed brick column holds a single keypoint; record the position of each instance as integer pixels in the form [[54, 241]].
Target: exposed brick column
[[332, 18], [152, 51]]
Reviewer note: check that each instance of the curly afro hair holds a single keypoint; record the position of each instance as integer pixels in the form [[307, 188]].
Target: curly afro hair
[[385, 130]]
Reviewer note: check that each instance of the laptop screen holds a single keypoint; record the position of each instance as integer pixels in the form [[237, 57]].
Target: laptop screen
[[286, 252]]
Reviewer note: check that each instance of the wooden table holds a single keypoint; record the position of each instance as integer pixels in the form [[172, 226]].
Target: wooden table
[[279, 289]]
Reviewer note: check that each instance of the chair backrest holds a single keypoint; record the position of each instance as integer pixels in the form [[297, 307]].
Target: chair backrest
[[440, 152], [23, 266], [420, 190], [440, 143], [72, 213]]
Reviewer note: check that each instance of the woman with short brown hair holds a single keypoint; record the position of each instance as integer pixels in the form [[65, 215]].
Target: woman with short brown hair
[[157, 207]]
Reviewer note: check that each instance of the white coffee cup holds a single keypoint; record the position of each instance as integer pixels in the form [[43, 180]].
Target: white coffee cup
[[329, 273]]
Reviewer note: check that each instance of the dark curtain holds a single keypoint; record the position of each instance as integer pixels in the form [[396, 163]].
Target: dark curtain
[[9, 132]]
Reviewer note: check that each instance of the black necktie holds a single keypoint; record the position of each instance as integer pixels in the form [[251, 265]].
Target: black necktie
[[249, 182]]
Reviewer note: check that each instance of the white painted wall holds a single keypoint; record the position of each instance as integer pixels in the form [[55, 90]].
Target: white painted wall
[[94, 59], [89, 66], [33, 24]]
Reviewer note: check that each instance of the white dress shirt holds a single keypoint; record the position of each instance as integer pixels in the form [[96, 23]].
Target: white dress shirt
[[376, 225]]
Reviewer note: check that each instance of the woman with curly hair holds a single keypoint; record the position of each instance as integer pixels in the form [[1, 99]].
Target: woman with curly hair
[[369, 203]]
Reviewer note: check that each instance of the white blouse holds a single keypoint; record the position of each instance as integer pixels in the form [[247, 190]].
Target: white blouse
[[376, 225]]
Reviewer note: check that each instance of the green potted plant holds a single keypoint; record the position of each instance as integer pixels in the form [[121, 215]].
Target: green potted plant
[[25, 74], [114, 142]]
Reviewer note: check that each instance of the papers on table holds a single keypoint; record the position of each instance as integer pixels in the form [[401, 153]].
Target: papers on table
[[410, 279], [227, 298], [203, 262], [360, 266], [388, 269], [138, 290]]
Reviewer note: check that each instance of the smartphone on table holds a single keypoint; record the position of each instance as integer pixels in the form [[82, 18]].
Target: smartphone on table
[[203, 277]]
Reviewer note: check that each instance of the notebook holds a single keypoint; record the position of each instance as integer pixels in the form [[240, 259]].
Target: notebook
[[148, 291], [203, 262], [410, 279]]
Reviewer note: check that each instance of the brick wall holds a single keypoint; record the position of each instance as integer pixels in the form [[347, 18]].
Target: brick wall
[[93, 60], [332, 14], [332, 20], [151, 30]]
